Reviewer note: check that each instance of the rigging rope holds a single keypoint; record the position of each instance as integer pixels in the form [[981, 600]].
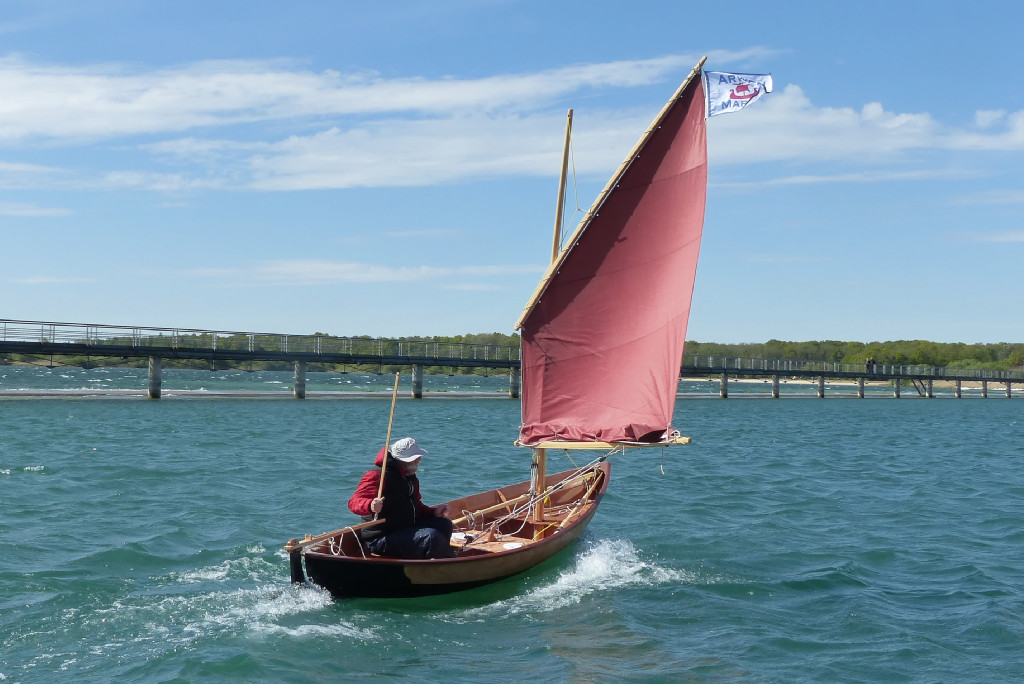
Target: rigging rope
[[576, 195], [338, 551], [524, 507]]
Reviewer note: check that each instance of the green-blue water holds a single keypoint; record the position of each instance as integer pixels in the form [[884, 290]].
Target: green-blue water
[[795, 540]]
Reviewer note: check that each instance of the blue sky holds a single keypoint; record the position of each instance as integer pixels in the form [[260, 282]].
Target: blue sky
[[352, 169]]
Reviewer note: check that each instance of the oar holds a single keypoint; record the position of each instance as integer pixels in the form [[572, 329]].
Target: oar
[[294, 546], [387, 441], [308, 540]]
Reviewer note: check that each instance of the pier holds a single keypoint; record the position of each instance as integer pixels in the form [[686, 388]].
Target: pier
[[916, 379], [48, 339]]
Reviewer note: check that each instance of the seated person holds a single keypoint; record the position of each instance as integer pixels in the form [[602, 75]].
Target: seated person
[[411, 529]]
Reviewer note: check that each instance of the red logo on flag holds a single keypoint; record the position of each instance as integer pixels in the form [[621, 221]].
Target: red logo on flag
[[744, 91]]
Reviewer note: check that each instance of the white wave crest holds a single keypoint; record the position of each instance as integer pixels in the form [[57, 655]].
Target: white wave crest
[[605, 566], [179, 621], [252, 601]]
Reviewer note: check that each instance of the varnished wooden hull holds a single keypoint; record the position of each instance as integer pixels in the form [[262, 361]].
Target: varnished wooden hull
[[339, 565]]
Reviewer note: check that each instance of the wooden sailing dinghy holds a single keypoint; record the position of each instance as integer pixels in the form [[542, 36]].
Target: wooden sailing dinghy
[[602, 342]]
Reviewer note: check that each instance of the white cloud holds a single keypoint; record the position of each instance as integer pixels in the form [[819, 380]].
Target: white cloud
[[162, 182], [310, 272], [30, 210], [48, 280], [17, 175], [868, 176], [295, 272], [786, 125], [396, 153], [360, 129], [988, 118], [72, 103]]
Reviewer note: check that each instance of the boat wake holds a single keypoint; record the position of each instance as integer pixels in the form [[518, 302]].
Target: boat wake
[[604, 565], [239, 597]]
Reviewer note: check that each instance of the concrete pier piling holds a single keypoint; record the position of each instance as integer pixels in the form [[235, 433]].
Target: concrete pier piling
[[514, 382], [417, 381], [300, 380], [155, 377]]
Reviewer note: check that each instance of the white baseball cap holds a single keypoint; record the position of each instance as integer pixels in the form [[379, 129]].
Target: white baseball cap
[[406, 450]]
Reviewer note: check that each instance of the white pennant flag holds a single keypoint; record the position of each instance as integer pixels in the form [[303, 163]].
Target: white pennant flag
[[725, 92]]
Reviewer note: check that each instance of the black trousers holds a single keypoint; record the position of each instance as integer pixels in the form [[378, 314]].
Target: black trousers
[[428, 538]]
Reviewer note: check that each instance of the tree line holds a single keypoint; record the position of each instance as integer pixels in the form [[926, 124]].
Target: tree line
[[995, 356]]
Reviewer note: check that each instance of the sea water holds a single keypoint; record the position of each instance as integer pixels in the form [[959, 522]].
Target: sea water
[[795, 540]]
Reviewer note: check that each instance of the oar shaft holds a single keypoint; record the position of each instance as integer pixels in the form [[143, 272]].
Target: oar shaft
[[387, 440], [295, 544]]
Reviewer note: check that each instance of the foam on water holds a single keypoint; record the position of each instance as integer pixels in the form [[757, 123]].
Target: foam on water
[[250, 565], [607, 565], [173, 613]]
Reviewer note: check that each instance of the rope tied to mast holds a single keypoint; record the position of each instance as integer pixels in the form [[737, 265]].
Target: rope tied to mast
[[522, 508]]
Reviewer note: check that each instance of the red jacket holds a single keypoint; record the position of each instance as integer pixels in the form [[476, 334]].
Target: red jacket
[[369, 485]]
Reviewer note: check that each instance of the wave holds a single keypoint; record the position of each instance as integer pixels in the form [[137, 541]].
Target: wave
[[24, 469], [607, 565], [179, 615]]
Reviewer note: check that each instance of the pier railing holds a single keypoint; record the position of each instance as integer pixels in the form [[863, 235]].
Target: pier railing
[[704, 364], [84, 337]]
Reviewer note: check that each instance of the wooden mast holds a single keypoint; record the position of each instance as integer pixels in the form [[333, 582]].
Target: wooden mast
[[540, 456], [556, 244]]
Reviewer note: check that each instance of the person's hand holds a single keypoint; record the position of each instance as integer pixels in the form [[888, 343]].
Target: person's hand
[[440, 510], [376, 505]]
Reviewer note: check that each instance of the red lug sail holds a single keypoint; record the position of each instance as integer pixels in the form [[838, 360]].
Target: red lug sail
[[603, 340]]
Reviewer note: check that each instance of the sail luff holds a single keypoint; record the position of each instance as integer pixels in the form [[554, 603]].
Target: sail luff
[[612, 182]]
